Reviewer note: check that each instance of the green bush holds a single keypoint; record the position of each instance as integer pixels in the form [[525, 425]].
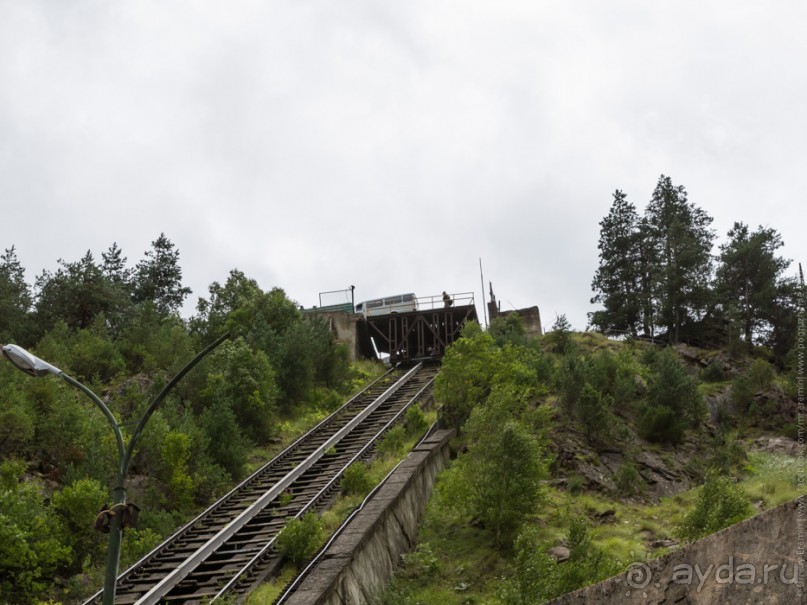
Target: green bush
[[720, 503], [728, 452], [356, 481], [628, 481], [466, 375], [757, 377], [498, 480], [415, 421], [393, 441], [661, 424], [325, 399], [673, 401], [77, 505], [560, 338], [245, 379], [138, 543], [594, 414], [713, 372], [16, 428], [301, 538], [31, 549], [571, 378], [576, 484], [508, 329], [421, 562], [538, 578]]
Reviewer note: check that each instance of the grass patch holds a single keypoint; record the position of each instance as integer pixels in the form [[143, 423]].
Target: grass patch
[[267, 592], [771, 479]]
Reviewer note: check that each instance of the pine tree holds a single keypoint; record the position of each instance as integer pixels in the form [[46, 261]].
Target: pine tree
[[617, 281], [15, 298], [679, 239], [750, 275], [158, 277], [114, 267], [76, 293]]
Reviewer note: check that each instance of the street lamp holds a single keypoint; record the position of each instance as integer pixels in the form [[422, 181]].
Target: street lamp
[[33, 366]]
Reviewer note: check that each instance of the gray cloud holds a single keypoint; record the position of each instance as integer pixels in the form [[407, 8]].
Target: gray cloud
[[390, 146]]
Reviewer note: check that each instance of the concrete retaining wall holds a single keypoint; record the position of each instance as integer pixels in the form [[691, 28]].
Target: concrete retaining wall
[[362, 559], [760, 560]]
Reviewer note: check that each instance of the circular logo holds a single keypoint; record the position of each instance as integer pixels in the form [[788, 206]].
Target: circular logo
[[638, 575]]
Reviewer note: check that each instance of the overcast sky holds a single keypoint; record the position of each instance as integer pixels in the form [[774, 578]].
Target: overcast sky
[[391, 145]]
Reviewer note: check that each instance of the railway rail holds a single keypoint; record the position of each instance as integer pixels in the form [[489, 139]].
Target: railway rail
[[228, 548]]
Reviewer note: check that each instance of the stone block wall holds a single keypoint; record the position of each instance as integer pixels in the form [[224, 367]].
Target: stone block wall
[[760, 560]]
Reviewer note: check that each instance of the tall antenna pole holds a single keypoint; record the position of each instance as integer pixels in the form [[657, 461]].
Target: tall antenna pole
[[484, 304]]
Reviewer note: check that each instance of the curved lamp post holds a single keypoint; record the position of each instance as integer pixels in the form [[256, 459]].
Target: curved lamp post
[[33, 366]]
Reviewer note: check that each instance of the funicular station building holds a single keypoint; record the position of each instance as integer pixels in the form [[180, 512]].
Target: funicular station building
[[405, 327]]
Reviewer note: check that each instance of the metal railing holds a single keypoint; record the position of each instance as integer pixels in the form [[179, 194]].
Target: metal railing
[[458, 299]]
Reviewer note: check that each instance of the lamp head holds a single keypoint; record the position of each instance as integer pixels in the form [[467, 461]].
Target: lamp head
[[27, 362]]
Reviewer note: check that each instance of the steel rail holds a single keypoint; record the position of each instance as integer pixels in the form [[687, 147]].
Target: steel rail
[[289, 589], [255, 476], [256, 559], [153, 596]]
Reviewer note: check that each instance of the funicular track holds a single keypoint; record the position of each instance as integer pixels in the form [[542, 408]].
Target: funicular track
[[227, 549]]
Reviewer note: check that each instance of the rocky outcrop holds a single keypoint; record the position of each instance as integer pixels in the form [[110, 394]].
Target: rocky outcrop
[[663, 474]]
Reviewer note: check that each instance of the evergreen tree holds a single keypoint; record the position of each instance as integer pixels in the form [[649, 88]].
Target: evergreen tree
[[158, 277], [673, 401], [15, 298], [617, 281], [119, 281], [648, 261], [212, 314], [76, 293], [678, 235], [750, 276], [114, 268]]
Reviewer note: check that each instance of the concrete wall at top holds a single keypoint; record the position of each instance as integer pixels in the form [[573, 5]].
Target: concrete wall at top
[[531, 317], [760, 560], [344, 327]]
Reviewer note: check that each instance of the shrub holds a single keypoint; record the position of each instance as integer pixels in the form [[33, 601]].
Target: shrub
[[720, 503], [661, 424], [301, 538], [77, 504], [16, 428], [325, 399], [30, 547], [594, 414], [497, 481], [246, 381], [757, 377], [713, 372], [673, 401], [356, 481], [728, 452], [576, 484], [416, 422], [392, 442], [421, 562], [466, 374], [538, 578], [508, 329], [560, 337], [628, 481], [571, 379]]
